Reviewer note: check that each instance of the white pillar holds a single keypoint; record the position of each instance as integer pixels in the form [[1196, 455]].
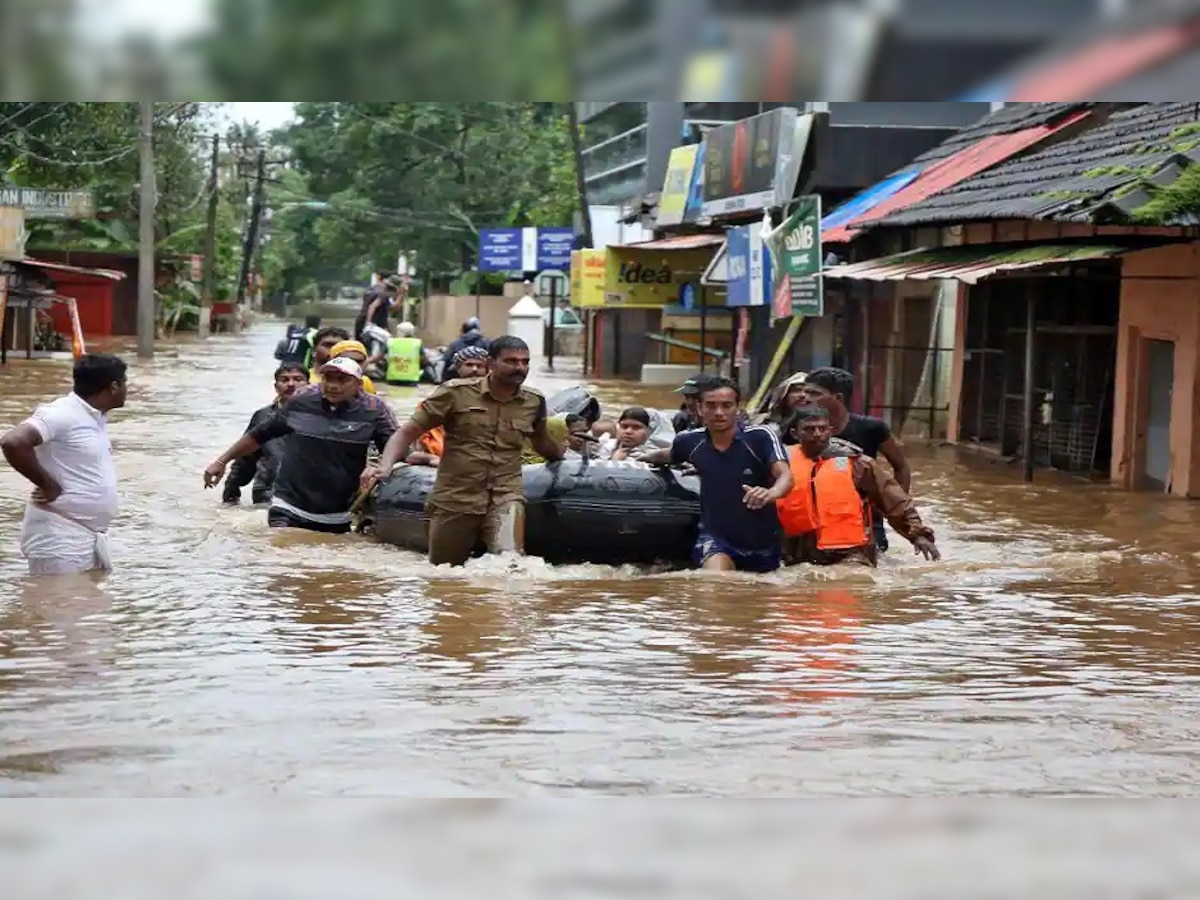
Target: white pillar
[[525, 321]]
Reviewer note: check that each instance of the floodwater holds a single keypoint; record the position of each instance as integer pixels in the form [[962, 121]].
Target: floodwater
[[1052, 652]]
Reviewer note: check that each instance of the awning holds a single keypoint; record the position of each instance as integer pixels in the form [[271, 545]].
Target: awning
[[110, 274], [971, 264], [682, 242], [833, 226]]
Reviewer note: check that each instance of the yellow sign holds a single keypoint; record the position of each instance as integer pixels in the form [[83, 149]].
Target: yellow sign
[[587, 277], [12, 232], [650, 279], [673, 200]]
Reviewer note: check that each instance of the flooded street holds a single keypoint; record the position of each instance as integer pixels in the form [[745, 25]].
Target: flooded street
[[1052, 652]]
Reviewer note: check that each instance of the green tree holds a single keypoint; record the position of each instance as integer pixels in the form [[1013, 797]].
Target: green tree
[[425, 177]]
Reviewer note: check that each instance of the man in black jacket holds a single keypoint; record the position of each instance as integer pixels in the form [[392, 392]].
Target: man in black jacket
[[262, 465], [471, 336]]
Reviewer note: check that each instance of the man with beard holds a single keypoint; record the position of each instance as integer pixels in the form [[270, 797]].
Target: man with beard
[[325, 458], [479, 496], [262, 466]]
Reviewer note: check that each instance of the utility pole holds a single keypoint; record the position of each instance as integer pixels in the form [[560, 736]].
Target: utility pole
[[256, 208], [210, 239], [145, 295]]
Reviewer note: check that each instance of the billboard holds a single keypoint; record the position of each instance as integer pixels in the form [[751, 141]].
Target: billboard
[[753, 164], [673, 201]]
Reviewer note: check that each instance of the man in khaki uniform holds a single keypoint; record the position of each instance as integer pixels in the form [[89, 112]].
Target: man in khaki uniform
[[478, 494]]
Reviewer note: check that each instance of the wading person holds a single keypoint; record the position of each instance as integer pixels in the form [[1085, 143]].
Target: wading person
[[478, 496], [262, 466], [832, 389], [827, 515], [324, 341], [406, 356], [297, 347], [471, 336], [64, 451], [325, 456], [743, 472], [356, 351]]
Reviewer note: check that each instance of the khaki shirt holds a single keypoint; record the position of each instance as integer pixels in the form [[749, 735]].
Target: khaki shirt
[[481, 459]]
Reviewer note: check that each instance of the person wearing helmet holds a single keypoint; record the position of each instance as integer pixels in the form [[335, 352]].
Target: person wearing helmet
[[405, 356], [471, 336]]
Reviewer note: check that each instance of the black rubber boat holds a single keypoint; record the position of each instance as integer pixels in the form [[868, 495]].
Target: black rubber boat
[[577, 511]]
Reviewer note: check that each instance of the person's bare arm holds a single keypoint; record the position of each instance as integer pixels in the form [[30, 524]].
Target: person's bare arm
[[18, 446], [398, 444], [781, 485], [422, 458], [545, 445], [661, 457], [893, 451], [274, 427]]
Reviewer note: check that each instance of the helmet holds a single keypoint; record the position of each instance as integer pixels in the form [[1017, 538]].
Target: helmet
[[471, 324], [406, 329]]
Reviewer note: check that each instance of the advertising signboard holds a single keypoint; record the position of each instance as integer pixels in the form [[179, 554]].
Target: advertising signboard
[[753, 164]]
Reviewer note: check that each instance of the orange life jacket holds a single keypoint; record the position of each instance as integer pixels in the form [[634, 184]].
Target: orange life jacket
[[434, 441], [824, 499]]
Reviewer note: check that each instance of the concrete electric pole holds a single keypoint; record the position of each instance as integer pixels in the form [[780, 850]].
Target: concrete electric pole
[[145, 296]]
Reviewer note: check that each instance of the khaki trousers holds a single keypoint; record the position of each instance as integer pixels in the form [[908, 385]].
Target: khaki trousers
[[453, 536]]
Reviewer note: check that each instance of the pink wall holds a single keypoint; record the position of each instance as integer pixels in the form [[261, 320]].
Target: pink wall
[[1160, 300]]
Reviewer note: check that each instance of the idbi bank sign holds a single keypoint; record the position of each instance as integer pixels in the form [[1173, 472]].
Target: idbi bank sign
[[650, 279]]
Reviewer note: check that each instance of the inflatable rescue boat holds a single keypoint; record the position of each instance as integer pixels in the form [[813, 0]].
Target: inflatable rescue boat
[[576, 511]]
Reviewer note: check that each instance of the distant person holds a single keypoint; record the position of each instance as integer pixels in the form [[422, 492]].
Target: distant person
[[471, 336], [296, 349], [479, 496], [688, 416], [743, 471], [325, 458], [405, 356], [63, 450], [833, 389], [324, 341], [371, 326], [262, 466], [827, 515]]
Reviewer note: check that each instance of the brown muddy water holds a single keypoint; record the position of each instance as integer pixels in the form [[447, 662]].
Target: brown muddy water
[[1052, 652]]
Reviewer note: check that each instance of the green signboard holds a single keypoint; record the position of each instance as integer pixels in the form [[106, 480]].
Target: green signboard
[[800, 256]]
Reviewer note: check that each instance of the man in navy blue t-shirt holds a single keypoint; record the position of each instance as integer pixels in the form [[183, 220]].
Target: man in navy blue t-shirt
[[743, 470]]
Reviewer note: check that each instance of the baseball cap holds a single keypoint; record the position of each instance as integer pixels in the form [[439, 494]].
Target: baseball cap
[[694, 385], [345, 365]]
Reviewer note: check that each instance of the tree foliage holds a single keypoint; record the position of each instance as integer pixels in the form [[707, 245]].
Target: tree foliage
[[419, 178]]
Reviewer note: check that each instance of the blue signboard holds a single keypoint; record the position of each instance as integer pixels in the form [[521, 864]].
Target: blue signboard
[[687, 296], [695, 200], [525, 249], [500, 250], [554, 248], [749, 267], [737, 250]]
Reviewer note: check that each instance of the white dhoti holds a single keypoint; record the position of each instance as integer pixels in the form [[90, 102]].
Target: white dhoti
[[55, 545]]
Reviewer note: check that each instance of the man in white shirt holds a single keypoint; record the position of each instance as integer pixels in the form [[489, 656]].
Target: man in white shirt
[[64, 451]]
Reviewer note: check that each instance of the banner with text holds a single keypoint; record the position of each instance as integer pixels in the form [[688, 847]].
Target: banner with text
[[525, 249]]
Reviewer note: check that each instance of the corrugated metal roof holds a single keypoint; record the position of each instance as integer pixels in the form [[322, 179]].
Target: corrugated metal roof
[[971, 264], [682, 242], [110, 274], [833, 226]]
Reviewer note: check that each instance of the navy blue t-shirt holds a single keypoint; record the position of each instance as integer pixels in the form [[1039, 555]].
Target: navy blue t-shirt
[[723, 512]]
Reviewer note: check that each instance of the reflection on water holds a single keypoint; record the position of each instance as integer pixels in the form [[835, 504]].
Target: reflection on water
[[1052, 652]]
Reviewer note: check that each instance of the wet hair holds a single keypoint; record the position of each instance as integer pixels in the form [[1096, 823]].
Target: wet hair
[[312, 321], [291, 367], [332, 331], [575, 419], [803, 414], [637, 414], [94, 372], [836, 381], [719, 383], [506, 342]]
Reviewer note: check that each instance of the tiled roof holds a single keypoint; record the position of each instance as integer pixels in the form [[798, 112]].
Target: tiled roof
[[1009, 118], [1066, 181]]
